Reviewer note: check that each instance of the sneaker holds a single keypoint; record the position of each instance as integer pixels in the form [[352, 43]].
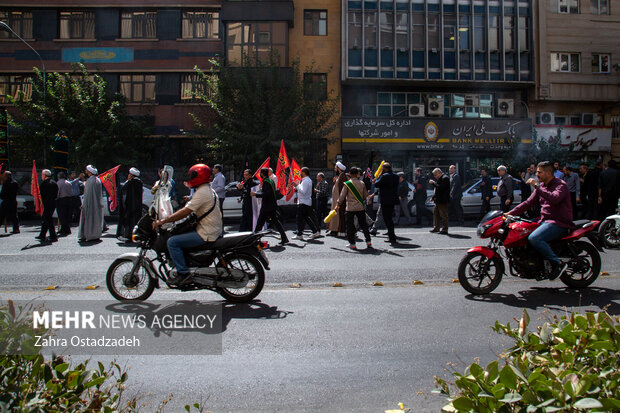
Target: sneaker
[[444, 232], [557, 269], [298, 237], [314, 235], [434, 230], [352, 247], [369, 245]]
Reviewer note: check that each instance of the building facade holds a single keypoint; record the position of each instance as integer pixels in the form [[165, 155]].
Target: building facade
[[146, 50], [578, 74], [430, 83]]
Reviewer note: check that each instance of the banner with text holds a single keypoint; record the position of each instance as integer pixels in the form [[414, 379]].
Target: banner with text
[[434, 133], [591, 138]]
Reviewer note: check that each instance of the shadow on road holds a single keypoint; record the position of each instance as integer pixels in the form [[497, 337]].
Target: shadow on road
[[458, 236], [37, 245], [254, 310], [556, 298], [366, 251]]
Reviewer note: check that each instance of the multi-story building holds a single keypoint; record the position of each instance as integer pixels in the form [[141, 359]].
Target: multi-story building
[[578, 73], [146, 50], [435, 82], [308, 30]]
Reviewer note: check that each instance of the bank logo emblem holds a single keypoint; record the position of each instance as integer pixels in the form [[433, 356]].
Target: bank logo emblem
[[431, 132]]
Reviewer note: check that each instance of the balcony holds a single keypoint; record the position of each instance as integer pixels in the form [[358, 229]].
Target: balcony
[[258, 10]]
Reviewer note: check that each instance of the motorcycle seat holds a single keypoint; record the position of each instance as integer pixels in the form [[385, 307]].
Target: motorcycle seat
[[580, 223], [227, 241]]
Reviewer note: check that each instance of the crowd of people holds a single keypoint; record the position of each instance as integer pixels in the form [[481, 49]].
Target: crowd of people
[[80, 198]]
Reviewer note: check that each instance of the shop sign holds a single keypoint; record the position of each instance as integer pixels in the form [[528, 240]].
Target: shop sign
[[591, 138], [97, 54], [435, 134]]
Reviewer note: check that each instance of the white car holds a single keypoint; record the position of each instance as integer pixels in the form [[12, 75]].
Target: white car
[[232, 208], [472, 195]]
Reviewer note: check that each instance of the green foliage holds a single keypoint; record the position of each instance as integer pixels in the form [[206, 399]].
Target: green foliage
[[31, 383], [259, 104], [570, 365], [95, 120]]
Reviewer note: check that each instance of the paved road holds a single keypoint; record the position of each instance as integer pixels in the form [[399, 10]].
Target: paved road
[[319, 348], [419, 255]]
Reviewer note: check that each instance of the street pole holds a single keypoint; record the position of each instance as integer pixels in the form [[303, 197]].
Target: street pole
[[6, 27]]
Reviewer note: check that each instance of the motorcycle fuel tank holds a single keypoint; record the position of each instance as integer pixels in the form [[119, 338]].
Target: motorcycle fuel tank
[[518, 233]]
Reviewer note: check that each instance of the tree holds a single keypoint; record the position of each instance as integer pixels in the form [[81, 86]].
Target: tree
[[100, 130], [259, 104]]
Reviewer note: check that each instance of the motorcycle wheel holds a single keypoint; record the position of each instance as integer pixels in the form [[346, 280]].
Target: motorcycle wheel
[[125, 286], [253, 268], [610, 233], [584, 268], [479, 274]]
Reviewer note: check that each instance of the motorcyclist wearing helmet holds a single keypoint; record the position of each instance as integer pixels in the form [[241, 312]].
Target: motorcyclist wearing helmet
[[209, 228]]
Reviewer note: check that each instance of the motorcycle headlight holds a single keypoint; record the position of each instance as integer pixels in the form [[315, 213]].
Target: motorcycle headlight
[[482, 229]]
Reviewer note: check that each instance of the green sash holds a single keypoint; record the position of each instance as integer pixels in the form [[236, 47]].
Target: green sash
[[355, 192]]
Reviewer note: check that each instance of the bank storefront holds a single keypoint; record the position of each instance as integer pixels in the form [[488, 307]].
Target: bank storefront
[[432, 142]]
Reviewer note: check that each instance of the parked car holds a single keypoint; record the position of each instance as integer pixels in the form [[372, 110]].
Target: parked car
[[472, 198], [232, 208], [25, 203], [411, 201]]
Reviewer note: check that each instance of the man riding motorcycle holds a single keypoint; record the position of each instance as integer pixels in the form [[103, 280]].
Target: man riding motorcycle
[[209, 228], [556, 214]]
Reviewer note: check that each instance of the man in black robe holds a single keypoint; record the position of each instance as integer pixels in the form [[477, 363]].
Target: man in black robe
[[130, 205]]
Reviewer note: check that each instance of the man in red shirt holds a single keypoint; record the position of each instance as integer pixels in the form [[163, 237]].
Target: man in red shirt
[[556, 214]]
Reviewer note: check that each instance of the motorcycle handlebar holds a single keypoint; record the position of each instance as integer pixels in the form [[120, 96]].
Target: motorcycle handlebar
[[514, 218]]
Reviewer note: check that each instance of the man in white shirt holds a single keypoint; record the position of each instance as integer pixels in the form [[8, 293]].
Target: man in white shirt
[[305, 213], [219, 184]]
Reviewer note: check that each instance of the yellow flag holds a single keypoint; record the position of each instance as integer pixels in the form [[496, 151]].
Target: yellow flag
[[330, 216], [379, 169]]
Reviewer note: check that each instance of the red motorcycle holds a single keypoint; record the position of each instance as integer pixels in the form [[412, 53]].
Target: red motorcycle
[[481, 270]]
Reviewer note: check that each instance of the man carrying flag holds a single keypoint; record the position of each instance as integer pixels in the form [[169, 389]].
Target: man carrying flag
[[49, 192], [305, 213], [91, 219]]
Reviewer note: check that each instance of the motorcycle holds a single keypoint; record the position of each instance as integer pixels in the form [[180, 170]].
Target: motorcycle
[[233, 266], [609, 231], [481, 270]]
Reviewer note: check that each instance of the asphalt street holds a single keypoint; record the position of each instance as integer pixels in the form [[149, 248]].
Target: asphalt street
[[316, 347]]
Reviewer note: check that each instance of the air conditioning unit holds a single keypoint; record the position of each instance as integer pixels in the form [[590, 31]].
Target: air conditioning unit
[[505, 107], [435, 106], [590, 119], [416, 110], [472, 100], [547, 118]]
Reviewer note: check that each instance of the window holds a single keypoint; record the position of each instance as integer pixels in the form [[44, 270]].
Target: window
[[20, 22], [565, 62], [77, 25], [392, 104], [315, 86], [191, 84], [599, 6], [13, 85], [258, 42], [600, 63], [315, 22], [509, 33], [523, 34], [138, 88], [470, 105], [494, 32], [568, 6], [449, 31], [417, 31], [139, 25], [480, 43], [200, 25]]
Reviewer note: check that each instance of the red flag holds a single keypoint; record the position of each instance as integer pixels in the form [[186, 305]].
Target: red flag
[[34, 190], [108, 180], [264, 165], [295, 177], [283, 163]]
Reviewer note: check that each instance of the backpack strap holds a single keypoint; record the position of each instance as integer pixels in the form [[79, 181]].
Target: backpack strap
[[215, 202]]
